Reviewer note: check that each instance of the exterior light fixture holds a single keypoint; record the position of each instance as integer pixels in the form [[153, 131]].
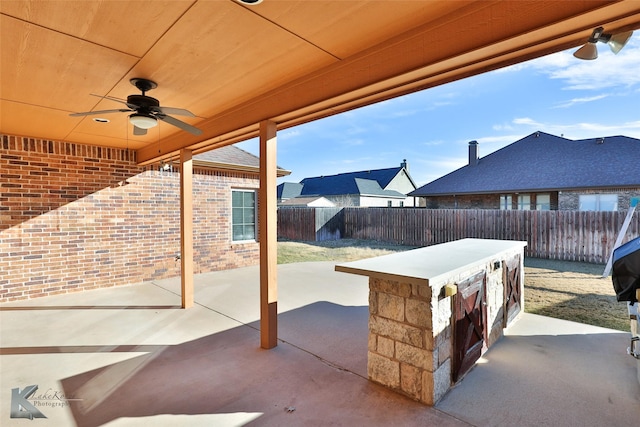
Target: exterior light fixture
[[615, 41], [142, 121], [166, 166]]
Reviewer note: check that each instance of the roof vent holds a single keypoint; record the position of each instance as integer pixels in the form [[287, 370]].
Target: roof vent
[[600, 141], [537, 134], [405, 165]]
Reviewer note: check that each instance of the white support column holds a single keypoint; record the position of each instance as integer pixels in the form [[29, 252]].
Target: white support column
[[186, 227], [267, 214]]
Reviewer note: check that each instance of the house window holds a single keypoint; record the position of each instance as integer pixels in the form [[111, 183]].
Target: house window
[[389, 203], [543, 202], [599, 202], [505, 202], [243, 215], [524, 202]]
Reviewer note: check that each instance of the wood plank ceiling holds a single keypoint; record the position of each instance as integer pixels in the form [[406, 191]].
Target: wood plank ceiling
[[234, 64]]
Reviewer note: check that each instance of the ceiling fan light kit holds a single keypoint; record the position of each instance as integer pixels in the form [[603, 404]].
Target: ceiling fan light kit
[[615, 41], [142, 121], [146, 110]]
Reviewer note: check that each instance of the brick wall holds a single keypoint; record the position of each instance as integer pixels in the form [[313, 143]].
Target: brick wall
[[67, 224], [570, 200], [563, 200], [474, 201]]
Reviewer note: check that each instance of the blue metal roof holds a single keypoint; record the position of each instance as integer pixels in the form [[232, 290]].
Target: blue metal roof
[[542, 162], [346, 183]]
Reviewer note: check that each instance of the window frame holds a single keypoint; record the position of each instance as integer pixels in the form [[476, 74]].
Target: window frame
[[506, 202], [244, 224], [597, 202], [546, 206], [522, 203]]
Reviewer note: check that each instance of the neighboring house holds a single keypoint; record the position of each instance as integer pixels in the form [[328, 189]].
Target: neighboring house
[[543, 172], [378, 187], [307, 202], [76, 217]]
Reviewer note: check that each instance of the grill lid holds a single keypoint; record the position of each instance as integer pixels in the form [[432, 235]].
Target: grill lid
[[626, 270]]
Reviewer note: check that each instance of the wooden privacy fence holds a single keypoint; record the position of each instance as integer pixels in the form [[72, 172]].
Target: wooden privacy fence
[[311, 224], [564, 235]]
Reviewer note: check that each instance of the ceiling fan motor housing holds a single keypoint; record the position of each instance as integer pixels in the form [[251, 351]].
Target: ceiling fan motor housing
[[143, 104]]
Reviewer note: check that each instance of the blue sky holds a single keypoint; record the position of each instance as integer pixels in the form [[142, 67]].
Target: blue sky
[[557, 94]]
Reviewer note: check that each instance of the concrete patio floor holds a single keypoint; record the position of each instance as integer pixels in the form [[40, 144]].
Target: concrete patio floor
[[130, 356]]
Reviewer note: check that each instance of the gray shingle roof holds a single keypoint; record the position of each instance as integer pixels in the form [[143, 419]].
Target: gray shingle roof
[[230, 155], [289, 190], [369, 187], [541, 162]]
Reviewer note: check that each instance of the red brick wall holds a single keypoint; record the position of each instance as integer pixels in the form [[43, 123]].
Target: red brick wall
[[67, 225]]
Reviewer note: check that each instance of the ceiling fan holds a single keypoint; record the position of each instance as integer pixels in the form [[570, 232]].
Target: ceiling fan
[[146, 110]]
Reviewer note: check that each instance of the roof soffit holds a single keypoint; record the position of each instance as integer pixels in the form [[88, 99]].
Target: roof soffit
[[236, 65]]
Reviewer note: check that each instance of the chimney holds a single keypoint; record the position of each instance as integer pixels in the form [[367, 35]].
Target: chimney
[[473, 153], [405, 165]]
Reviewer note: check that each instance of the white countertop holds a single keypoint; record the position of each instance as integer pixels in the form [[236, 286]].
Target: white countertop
[[429, 263]]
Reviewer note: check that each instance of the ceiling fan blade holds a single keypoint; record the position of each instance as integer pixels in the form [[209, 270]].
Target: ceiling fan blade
[[180, 124], [92, 113], [122, 101], [139, 131], [178, 111]]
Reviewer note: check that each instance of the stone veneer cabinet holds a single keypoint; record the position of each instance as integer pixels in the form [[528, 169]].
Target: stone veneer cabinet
[[433, 311]]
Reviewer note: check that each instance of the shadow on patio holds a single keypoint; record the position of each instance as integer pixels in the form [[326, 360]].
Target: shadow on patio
[[132, 358]]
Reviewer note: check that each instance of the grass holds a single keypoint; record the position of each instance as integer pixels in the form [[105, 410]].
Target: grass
[[573, 291], [334, 250], [565, 290]]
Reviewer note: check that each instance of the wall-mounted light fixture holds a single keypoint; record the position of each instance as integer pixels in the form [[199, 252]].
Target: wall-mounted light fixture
[[615, 41], [165, 166]]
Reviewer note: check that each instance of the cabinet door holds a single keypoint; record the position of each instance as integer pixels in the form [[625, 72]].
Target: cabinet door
[[469, 327], [512, 289]]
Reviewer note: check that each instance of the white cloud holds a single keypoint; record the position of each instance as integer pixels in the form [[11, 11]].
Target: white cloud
[[404, 113], [580, 130], [526, 121], [289, 134], [501, 127], [576, 101], [607, 71]]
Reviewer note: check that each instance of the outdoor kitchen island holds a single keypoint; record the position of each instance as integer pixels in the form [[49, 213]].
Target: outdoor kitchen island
[[433, 311]]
